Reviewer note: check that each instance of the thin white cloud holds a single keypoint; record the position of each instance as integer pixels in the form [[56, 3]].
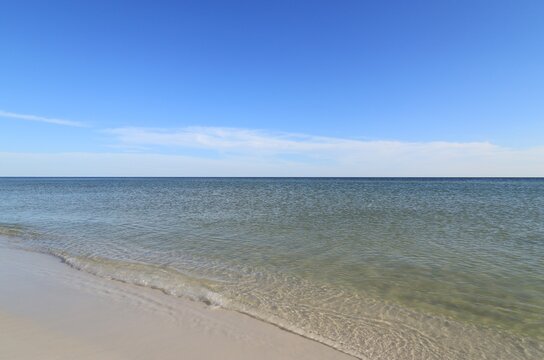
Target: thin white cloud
[[247, 152], [262, 153], [222, 139], [246, 140], [26, 117]]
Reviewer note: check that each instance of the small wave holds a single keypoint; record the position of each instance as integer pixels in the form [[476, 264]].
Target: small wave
[[174, 283], [11, 230], [167, 280], [363, 337], [354, 325]]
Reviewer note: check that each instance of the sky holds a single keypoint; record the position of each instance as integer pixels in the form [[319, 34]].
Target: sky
[[272, 88]]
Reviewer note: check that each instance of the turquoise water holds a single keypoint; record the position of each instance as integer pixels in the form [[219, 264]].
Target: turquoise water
[[378, 268]]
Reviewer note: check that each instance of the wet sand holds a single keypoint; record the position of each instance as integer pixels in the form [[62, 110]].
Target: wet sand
[[51, 311]]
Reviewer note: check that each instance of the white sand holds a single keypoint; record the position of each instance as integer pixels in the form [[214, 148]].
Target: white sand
[[51, 311]]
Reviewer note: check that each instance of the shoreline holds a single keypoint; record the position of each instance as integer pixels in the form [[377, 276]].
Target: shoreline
[[50, 310]]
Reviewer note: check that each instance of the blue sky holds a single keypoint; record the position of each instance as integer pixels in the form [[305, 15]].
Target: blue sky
[[272, 88]]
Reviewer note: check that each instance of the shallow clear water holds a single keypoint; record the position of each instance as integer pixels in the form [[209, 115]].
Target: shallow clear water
[[378, 268]]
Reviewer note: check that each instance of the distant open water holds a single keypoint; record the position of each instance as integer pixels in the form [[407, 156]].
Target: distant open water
[[377, 268]]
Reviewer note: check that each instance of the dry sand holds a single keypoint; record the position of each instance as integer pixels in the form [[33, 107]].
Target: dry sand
[[51, 311]]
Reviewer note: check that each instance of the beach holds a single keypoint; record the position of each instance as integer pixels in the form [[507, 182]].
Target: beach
[[51, 311], [272, 180], [273, 268]]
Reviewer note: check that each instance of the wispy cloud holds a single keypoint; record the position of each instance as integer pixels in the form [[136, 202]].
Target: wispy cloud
[[248, 141], [26, 117], [233, 139], [214, 151], [300, 154], [236, 139]]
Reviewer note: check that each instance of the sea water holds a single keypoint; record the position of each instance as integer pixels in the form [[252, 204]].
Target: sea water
[[377, 268]]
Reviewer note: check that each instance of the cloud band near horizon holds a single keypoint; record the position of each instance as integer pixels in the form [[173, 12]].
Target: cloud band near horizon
[[247, 152], [221, 151]]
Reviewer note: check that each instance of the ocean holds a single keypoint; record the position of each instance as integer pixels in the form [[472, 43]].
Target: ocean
[[378, 268]]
